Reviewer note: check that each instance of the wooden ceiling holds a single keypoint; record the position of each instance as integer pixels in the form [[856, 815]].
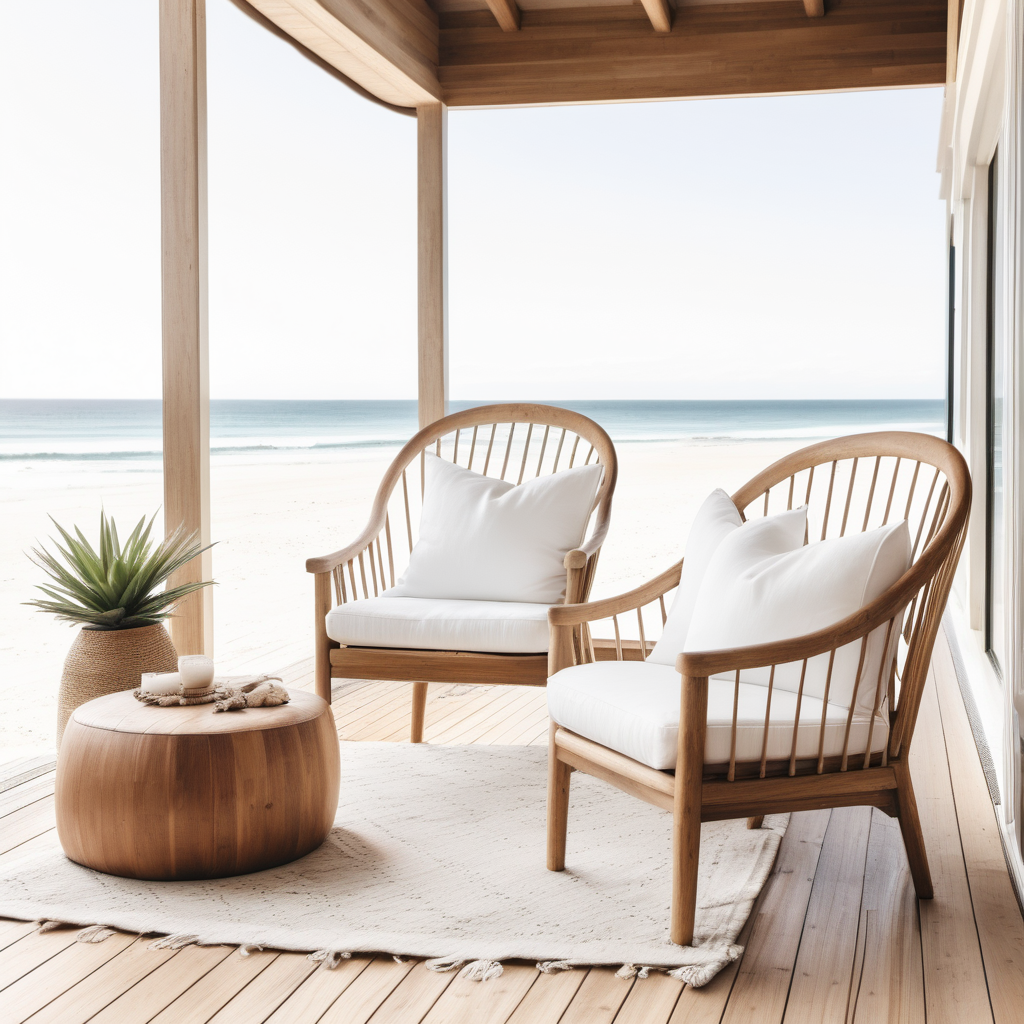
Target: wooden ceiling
[[518, 52]]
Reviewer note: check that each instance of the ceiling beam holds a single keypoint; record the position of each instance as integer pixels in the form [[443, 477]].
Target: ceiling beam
[[661, 14], [814, 8], [609, 54], [507, 14], [389, 47]]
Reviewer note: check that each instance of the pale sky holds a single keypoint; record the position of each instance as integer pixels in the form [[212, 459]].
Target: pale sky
[[787, 247]]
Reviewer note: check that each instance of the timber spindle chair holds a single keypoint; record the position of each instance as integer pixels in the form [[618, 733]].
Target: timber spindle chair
[[520, 444], [754, 735]]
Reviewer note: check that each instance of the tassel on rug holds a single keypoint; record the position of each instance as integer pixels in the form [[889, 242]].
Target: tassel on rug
[[550, 966], [95, 933], [248, 948], [329, 958], [472, 970], [49, 926]]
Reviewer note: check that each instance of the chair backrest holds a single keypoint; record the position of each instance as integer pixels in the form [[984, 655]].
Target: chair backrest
[[850, 484], [858, 483], [515, 442]]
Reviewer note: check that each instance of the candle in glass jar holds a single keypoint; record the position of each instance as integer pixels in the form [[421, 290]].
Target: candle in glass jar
[[161, 683], [196, 671]]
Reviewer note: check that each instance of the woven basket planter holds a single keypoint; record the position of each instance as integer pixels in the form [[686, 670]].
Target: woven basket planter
[[103, 661]]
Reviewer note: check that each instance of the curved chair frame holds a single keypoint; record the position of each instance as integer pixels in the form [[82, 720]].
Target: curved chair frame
[[486, 436], [698, 792]]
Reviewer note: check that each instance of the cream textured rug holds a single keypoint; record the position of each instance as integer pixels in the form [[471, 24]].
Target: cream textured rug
[[439, 852]]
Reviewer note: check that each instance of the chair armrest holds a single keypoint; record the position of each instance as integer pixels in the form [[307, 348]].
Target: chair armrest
[[781, 652], [325, 563], [576, 614]]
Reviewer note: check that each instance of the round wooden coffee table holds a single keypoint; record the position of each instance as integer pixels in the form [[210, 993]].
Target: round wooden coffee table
[[182, 792]]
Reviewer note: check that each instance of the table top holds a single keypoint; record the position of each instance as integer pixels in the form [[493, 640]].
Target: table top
[[121, 712]]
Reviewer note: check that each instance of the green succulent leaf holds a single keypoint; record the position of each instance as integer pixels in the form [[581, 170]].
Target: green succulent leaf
[[118, 586]]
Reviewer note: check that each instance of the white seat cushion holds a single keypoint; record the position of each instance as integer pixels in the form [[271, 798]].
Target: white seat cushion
[[430, 624], [715, 520], [633, 707], [482, 539]]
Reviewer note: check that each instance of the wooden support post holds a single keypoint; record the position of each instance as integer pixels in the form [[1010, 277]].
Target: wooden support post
[[432, 162], [186, 395]]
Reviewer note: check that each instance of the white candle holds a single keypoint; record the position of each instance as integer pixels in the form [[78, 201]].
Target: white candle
[[161, 683], [196, 671]]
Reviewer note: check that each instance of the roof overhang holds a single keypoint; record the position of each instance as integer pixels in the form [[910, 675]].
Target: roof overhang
[[408, 54]]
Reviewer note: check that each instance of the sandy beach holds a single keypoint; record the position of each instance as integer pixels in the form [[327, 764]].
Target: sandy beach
[[268, 517]]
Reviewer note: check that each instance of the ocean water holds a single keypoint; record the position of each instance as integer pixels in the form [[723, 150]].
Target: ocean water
[[97, 435]]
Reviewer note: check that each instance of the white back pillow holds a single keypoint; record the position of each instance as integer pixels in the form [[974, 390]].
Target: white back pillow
[[483, 539], [755, 591], [715, 519]]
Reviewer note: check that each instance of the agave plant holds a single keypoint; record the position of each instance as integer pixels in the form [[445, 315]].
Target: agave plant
[[115, 588]]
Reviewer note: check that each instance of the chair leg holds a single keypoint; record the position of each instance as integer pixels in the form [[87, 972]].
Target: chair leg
[[755, 822], [559, 777], [686, 808], [910, 826], [419, 707]]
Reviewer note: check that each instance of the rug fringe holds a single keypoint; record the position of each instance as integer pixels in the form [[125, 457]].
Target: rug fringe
[[177, 941], [48, 926], [697, 975], [248, 948], [550, 966], [95, 933], [472, 970], [329, 958]]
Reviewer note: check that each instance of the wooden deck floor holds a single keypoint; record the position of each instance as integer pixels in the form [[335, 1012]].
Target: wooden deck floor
[[837, 935]]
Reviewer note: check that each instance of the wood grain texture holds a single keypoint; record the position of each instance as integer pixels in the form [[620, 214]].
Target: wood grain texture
[[954, 978], [600, 54], [1000, 925], [506, 13], [388, 46], [184, 306], [820, 992], [177, 793], [660, 14], [432, 260], [763, 979], [889, 986], [439, 666]]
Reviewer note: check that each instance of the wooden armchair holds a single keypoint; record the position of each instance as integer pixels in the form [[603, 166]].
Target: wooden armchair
[[516, 442], [849, 485]]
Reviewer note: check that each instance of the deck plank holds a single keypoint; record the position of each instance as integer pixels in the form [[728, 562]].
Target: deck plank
[[954, 978], [73, 964], [360, 1000], [890, 984], [820, 992], [548, 998], [143, 1001], [599, 998], [26, 823], [1000, 925], [763, 977], [25, 955], [267, 991], [482, 1002], [650, 998], [27, 793], [413, 997], [314, 997], [199, 1002], [105, 984]]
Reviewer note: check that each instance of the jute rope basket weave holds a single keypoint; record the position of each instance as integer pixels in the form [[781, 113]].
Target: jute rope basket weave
[[103, 661]]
